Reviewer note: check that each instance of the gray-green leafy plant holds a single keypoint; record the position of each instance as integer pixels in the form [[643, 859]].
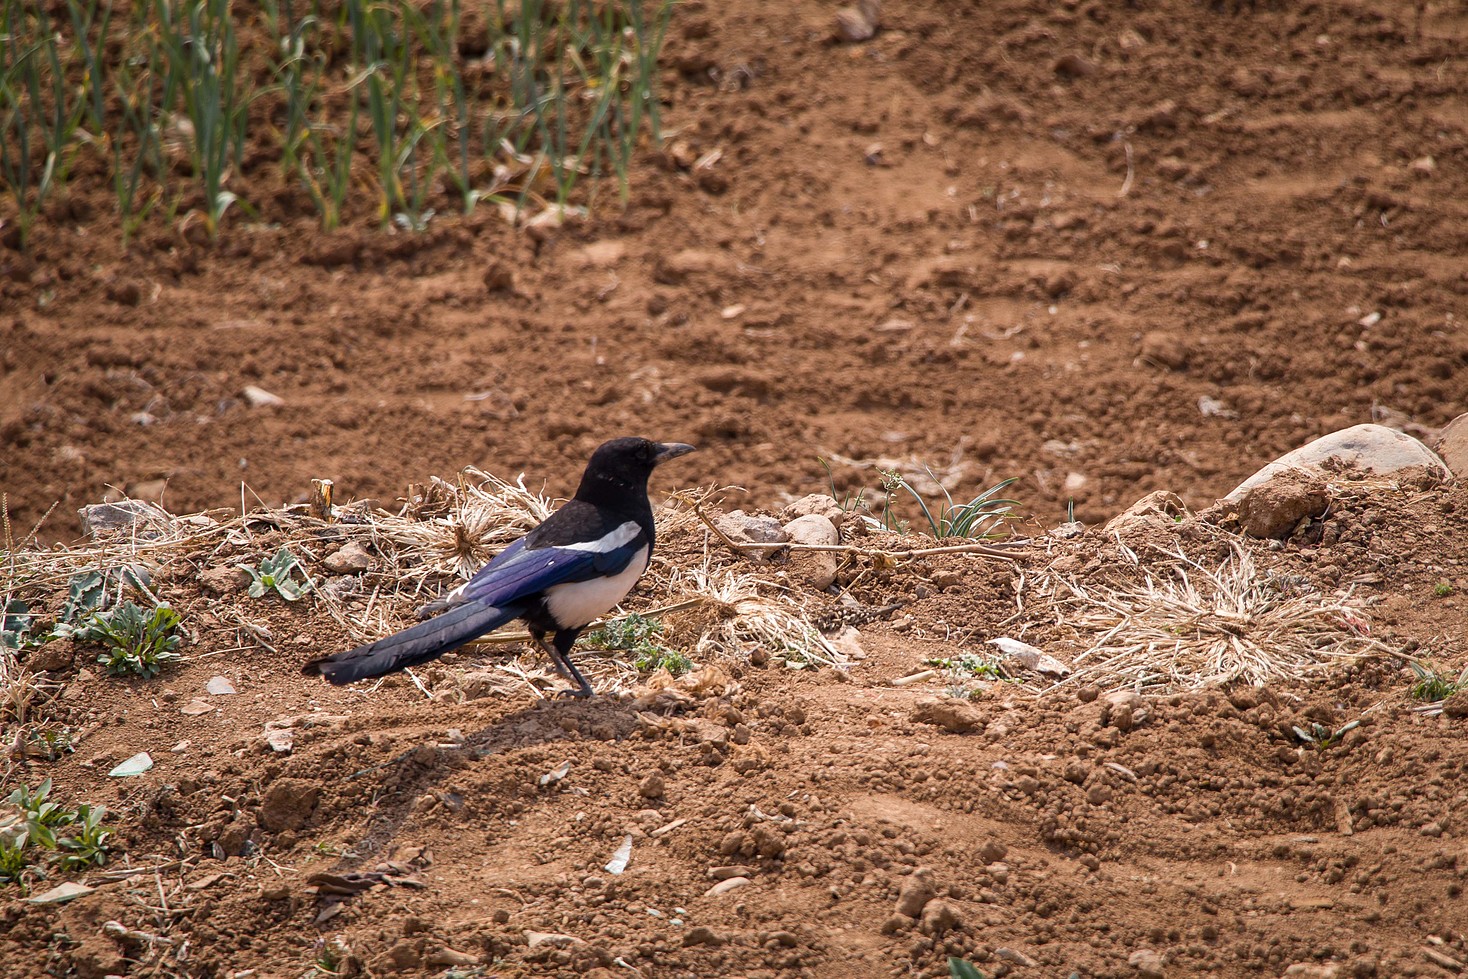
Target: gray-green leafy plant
[[74, 839], [638, 635], [278, 574], [962, 969], [136, 640], [1320, 737], [89, 842], [1432, 686]]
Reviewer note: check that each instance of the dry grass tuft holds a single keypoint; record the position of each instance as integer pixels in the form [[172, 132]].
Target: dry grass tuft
[[1184, 626]]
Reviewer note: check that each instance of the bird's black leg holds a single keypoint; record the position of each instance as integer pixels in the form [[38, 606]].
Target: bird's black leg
[[562, 657]]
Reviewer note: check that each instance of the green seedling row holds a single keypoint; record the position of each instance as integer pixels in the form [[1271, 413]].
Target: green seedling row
[[184, 109]]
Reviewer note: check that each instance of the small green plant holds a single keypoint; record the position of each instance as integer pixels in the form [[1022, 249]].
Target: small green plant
[[848, 502], [277, 574], [1320, 737], [51, 743], [1432, 686], [330, 956], [1442, 589], [980, 517], [34, 828], [88, 845], [15, 626], [962, 969], [637, 635], [971, 665], [137, 641]]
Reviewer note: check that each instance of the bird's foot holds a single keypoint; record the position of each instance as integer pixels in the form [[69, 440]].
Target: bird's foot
[[573, 693]]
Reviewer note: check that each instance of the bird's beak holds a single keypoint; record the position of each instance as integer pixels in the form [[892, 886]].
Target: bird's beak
[[671, 450]]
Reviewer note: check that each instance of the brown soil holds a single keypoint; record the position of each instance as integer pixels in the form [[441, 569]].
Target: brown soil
[[1103, 248]]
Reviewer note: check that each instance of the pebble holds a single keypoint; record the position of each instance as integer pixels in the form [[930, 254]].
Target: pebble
[[859, 23], [725, 886], [702, 935], [744, 528], [949, 713], [818, 503], [818, 568], [1014, 955], [916, 892], [731, 871], [260, 398], [1147, 963], [1452, 445], [651, 787], [219, 686], [351, 558]]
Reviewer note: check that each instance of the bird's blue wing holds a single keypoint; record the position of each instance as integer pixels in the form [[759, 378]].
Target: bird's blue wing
[[519, 571]]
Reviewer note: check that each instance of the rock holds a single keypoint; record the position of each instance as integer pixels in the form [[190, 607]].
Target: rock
[[817, 568], [725, 886], [1162, 349], [1373, 448], [860, 22], [815, 503], [445, 956], [1074, 66], [1068, 530], [535, 939], [1312, 970], [222, 581], [1456, 705], [219, 686], [916, 892], [951, 714], [1275, 508], [281, 741], [52, 656], [939, 917], [288, 804], [702, 935], [993, 852], [743, 528], [1160, 509], [1147, 963], [134, 517], [1452, 446], [730, 871], [1015, 956], [196, 707], [500, 277], [651, 787], [261, 398], [351, 558], [1026, 657], [847, 642]]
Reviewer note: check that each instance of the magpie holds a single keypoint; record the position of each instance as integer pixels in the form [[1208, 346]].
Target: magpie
[[582, 560]]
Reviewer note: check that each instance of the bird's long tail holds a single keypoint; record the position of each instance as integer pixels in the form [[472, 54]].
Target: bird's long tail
[[418, 644]]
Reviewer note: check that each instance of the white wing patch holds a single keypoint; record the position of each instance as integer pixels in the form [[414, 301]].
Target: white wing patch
[[575, 603], [614, 538]]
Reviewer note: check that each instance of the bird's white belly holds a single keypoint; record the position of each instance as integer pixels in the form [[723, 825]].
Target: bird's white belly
[[576, 603]]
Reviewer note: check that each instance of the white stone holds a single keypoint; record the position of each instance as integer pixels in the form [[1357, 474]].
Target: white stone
[[1374, 448]]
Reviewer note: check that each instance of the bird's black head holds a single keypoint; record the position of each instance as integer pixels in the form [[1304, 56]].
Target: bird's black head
[[624, 464]]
